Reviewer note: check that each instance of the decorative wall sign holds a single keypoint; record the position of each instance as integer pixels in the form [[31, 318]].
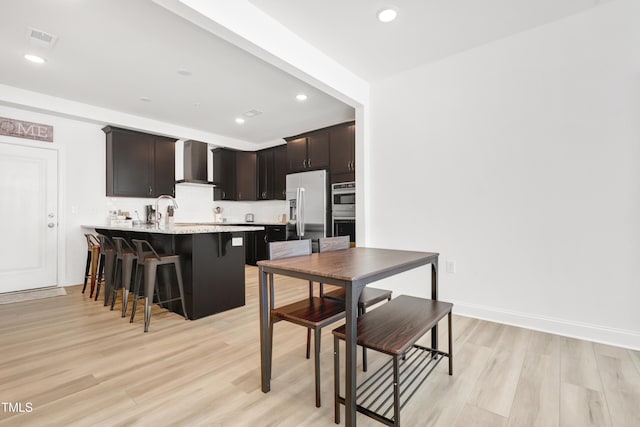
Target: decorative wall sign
[[22, 129]]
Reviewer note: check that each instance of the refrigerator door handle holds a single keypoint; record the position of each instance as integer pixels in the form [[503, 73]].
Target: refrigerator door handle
[[298, 212], [301, 211]]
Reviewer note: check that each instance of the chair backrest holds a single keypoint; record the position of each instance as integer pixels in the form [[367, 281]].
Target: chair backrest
[[141, 245], [91, 240], [289, 248], [105, 243], [121, 245], [338, 243]]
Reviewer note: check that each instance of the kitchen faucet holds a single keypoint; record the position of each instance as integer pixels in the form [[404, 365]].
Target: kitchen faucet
[[164, 196]]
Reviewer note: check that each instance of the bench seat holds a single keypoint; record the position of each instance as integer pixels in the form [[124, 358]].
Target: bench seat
[[393, 329]]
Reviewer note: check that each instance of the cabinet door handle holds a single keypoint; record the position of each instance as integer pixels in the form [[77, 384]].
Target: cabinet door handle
[[239, 195], [304, 163], [309, 163], [150, 190]]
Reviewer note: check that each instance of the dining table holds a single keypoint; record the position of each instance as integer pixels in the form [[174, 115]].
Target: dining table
[[352, 269]]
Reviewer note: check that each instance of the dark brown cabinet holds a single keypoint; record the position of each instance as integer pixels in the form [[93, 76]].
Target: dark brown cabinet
[[280, 172], [258, 242], [245, 175], [234, 174], [139, 164], [272, 173], [308, 152], [343, 153]]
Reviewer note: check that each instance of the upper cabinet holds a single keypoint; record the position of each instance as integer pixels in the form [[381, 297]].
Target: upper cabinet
[[331, 148], [280, 172], [308, 152], [139, 164], [343, 153], [272, 173], [234, 173]]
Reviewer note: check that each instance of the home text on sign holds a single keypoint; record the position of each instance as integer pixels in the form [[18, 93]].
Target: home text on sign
[[22, 129]]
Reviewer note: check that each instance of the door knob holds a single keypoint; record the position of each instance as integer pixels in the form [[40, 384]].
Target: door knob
[[51, 225]]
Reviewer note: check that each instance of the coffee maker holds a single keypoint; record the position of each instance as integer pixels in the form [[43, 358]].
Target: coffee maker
[[150, 214]]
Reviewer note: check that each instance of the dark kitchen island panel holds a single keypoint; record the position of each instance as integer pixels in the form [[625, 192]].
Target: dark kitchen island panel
[[212, 261], [213, 272]]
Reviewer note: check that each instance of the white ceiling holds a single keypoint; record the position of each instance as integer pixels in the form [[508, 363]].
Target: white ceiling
[[424, 31], [110, 53]]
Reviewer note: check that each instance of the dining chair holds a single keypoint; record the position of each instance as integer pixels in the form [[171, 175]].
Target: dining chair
[[313, 312], [368, 297]]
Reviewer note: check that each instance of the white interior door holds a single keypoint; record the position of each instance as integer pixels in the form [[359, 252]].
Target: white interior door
[[28, 217]]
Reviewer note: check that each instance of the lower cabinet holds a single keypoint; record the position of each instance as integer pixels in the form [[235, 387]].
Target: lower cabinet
[[257, 247]]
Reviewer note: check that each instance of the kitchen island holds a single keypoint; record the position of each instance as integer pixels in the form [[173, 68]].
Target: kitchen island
[[212, 261]]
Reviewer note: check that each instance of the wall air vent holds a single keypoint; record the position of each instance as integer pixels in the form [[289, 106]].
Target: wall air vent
[[41, 38]]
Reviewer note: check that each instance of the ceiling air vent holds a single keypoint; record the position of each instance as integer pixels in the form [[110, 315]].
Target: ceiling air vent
[[252, 113], [41, 38]]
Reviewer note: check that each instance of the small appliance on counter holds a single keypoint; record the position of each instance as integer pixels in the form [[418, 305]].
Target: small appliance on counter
[[248, 217], [217, 215]]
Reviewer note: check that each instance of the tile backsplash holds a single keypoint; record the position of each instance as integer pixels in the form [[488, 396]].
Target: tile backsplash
[[196, 204]]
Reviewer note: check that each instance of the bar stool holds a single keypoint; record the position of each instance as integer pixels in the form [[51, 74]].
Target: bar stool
[[107, 266], [368, 297], [93, 251], [123, 272], [148, 262]]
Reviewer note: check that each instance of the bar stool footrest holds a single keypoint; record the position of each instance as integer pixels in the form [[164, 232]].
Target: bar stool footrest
[[374, 396]]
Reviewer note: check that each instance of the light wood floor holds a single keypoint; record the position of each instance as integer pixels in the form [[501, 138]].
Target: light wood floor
[[79, 364]]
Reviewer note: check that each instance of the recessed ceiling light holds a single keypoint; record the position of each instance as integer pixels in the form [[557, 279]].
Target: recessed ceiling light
[[239, 120], [145, 99], [184, 72], [387, 15], [35, 59], [301, 97]]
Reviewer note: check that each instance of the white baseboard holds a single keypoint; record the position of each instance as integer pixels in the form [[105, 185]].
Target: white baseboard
[[585, 331]]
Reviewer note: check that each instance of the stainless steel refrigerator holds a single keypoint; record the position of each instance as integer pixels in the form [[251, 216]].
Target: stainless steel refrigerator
[[309, 214]]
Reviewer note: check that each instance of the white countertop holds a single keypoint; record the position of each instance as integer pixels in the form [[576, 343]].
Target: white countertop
[[180, 228]]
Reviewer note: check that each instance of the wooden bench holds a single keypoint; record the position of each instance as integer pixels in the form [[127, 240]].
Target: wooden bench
[[393, 329]]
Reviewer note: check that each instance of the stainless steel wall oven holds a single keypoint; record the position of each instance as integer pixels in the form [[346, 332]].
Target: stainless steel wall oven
[[343, 209]]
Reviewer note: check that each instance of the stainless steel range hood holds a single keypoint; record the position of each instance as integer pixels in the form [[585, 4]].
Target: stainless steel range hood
[[193, 163]]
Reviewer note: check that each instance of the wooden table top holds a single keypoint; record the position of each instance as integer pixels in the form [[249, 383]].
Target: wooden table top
[[351, 265]]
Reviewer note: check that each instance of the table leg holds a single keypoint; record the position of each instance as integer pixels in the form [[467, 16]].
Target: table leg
[[351, 307], [265, 345], [434, 296]]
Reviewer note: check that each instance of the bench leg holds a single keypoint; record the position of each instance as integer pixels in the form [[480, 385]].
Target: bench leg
[[396, 392], [336, 379], [450, 344]]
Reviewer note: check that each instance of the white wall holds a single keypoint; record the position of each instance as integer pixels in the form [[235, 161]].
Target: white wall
[[520, 160], [82, 182]]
